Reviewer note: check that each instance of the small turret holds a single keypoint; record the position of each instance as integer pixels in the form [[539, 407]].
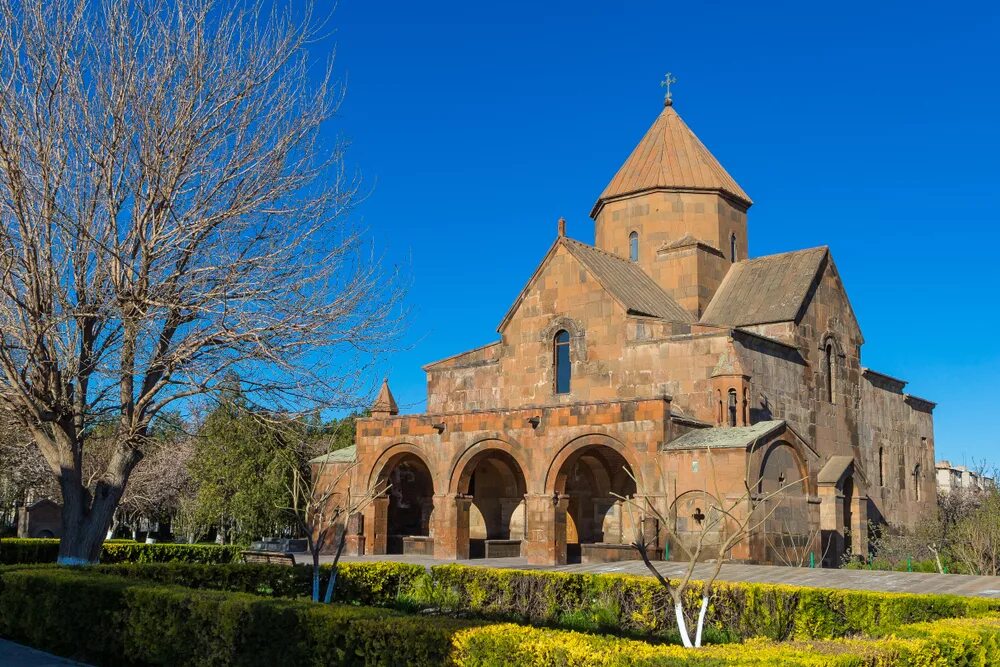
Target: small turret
[[384, 405]]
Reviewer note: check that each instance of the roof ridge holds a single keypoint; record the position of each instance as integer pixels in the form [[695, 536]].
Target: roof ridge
[[751, 260]]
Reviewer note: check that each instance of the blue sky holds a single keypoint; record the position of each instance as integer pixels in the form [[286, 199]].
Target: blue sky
[[869, 127]]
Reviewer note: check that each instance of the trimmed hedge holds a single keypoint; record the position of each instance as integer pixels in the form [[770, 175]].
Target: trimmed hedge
[[639, 606], [970, 641], [109, 620], [375, 583], [35, 550]]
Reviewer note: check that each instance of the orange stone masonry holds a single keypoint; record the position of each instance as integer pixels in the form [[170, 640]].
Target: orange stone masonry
[[663, 364]]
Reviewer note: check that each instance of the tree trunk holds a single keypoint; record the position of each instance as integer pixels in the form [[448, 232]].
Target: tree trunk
[[328, 598], [85, 516]]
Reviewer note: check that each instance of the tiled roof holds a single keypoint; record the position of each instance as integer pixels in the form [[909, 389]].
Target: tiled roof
[[766, 289], [344, 455], [722, 437], [629, 284], [671, 156], [834, 469]]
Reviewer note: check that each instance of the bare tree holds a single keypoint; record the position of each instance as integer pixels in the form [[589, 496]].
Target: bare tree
[[322, 504], [170, 212], [723, 525]]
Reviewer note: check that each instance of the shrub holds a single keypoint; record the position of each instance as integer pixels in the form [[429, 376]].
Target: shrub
[[374, 584], [638, 606], [110, 620], [33, 550]]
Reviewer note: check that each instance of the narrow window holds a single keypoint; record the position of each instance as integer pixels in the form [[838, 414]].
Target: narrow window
[[746, 407], [719, 393], [881, 466], [732, 247], [633, 246], [562, 365], [828, 367], [916, 482], [732, 407]]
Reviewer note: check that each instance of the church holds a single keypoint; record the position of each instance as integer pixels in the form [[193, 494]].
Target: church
[[665, 364]]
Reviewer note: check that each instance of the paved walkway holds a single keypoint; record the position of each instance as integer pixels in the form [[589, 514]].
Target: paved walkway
[[866, 580], [22, 656]]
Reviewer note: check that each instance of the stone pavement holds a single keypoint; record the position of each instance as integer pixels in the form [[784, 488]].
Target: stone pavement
[[867, 580], [22, 656]]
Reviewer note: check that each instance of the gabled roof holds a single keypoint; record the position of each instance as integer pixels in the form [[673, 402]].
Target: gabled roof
[[628, 284], [670, 156], [765, 289], [725, 437]]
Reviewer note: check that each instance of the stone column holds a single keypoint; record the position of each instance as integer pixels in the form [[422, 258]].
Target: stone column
[[831, 521], [376, 522], [545, 530], [859, 526], [450, 526]]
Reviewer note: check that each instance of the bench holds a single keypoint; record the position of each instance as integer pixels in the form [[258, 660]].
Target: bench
[[268, 557]]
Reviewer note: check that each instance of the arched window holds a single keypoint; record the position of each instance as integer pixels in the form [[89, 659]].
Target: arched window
[[881, 466], [916, 482], [560, 356], [633, 246], [829, 370], [719, 399], [746, 407], [732, 247], [732, 407]]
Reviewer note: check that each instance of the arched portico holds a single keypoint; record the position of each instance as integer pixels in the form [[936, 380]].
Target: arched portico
[[400, 519], [786, 528], [584, 480], [491, 480]]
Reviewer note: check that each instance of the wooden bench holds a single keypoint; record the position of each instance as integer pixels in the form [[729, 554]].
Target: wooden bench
[[269, 557]]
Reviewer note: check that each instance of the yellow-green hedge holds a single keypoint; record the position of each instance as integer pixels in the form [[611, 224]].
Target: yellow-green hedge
[[640, 607], [15, 550], [969, 641]]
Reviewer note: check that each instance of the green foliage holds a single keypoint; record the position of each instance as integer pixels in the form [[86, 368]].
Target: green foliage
[[373, 584], [640, 607], [242, 474], [16, 550], [109, 620]]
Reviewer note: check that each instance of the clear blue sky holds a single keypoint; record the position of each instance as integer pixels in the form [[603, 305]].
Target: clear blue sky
[[870, 127]]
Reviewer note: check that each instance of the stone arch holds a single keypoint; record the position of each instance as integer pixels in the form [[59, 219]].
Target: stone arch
[[491, 476], [577, 336], [692, 513], [554, 485], [586, 475], [785, 530], [406, 508]]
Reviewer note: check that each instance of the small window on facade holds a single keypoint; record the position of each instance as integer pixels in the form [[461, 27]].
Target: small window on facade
[[828, 367], [916, 482], [881, 467], [746, 407], [732, 407], [633, 246], [732, 247], [561, 361], [719, 400]]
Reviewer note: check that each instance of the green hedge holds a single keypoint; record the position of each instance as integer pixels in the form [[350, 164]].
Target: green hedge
[[108, 620], [377, 583], [18, 550], [970, 641], [639, 606]]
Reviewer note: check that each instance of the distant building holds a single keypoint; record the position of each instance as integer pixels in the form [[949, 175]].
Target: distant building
[[42, 518], [960, 478]]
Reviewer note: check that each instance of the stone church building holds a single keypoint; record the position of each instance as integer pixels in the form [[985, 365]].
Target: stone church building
[[664, 363]]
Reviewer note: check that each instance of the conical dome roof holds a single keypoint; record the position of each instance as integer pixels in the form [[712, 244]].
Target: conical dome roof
[[385, 402], [670, 156]]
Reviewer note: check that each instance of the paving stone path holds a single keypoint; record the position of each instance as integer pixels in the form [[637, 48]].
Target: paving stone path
[[22, 656], [866, 580]]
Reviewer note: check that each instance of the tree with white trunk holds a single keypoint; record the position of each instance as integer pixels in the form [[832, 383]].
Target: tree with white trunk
[[721, 526], [171, 212]]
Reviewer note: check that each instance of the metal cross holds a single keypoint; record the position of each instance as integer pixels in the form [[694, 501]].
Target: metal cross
[[667, 80]]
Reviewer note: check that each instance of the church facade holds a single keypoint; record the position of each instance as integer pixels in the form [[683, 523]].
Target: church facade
[[662, 363]]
